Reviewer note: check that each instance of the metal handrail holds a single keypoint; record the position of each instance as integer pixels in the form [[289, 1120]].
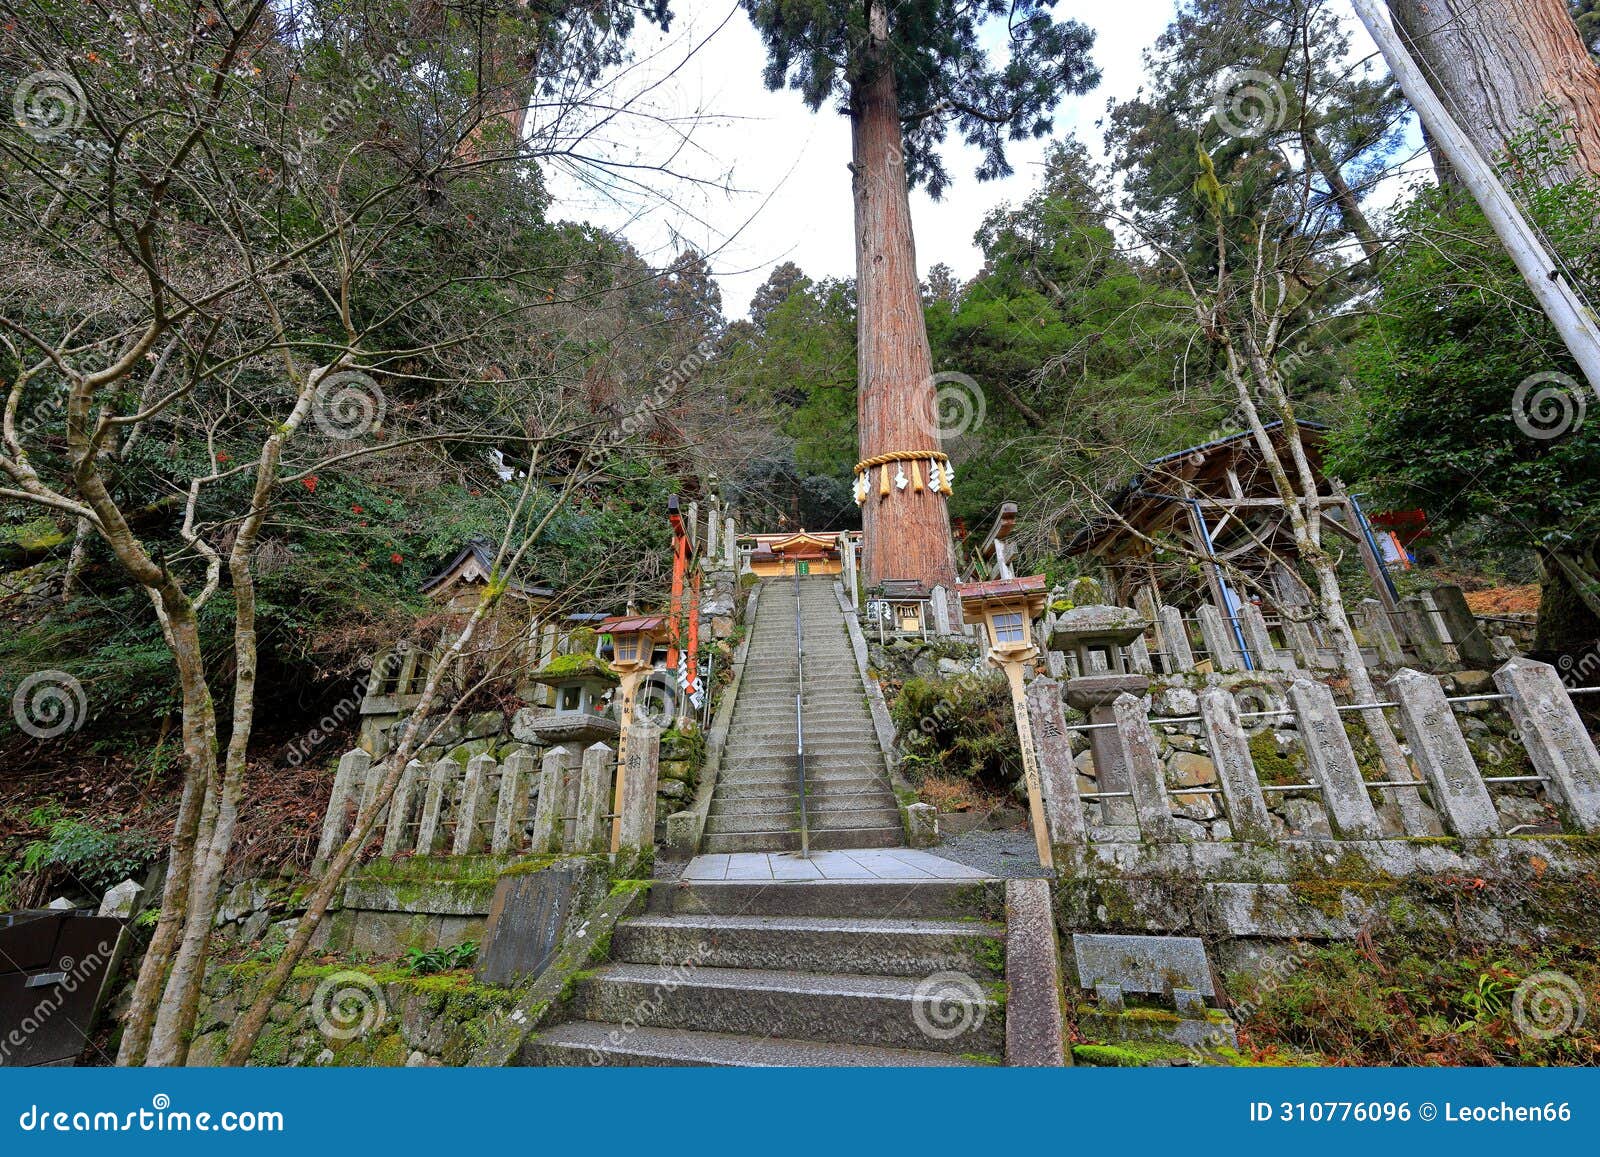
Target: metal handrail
[[799, 717]]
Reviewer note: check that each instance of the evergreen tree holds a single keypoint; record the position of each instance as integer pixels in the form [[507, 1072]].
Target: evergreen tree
[[906, 75]]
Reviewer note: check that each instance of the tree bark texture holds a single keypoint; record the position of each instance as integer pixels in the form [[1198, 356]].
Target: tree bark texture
[[1495, 62], [906, 534]]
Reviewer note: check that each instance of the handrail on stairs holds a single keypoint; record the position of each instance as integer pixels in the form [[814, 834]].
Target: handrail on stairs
[[799, 717]]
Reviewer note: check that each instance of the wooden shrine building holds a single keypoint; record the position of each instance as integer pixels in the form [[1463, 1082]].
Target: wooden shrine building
[[1216, 505]]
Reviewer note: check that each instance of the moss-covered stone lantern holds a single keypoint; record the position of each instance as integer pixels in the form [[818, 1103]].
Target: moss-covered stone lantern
[[583, 684]]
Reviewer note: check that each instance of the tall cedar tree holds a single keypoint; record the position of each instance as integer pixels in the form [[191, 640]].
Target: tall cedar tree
[[905, 75], [1495, 63]]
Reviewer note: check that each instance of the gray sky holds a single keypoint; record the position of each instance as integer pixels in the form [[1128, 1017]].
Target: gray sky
[[786, 165]]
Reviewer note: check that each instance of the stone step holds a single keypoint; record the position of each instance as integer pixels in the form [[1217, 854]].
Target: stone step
[[737, 822], [866, 944], [595, 1043], [731, 787], [820, 802], [815, 712], [881, 1011], [823, 744], [784, 764], [822, 840], [908, 899]]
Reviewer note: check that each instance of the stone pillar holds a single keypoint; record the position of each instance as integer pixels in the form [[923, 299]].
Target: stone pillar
[[1556, 739], [351, 776], [1459, 793], [692, 525], [1176, 654], [439, 780], [939, 606], [1035, 1029], [549, 820], [1472, 645], [730, 544], [1380, 632], [1236, 770], [713, 532], [594, 800], [636, 809], [1254, 625], [1420, 631], [1218, 636], [474, 808], [1333, 762], [1146, 779], [847, 556], [1139, 657], [1058, 778], [511, 810], [395, 837]]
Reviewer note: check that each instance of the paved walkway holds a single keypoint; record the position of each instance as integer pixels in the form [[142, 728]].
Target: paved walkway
[[865, 864]]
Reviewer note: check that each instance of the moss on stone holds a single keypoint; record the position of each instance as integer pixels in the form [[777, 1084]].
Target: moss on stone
[[1130, 1054]]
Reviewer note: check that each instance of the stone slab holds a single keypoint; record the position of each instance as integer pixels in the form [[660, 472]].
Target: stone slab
[[1152, 965]]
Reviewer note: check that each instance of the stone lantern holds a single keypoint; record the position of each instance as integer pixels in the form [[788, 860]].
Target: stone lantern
[[633, 644], [1098, 636], [582, 683], [1007, 608]]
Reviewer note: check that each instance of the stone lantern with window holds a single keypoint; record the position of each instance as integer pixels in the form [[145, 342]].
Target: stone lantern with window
[[583, 685], [1007, 608]]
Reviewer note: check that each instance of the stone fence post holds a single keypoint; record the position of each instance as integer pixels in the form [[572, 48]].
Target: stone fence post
[[351, 775], [435, 805], [594, 799], [1333, 762], [1472, 645], [1147, 781], [1218, 636], [1058, 778], [1176, 654], [1459, 793], [1380, 632], [474, 809], [1556, 739], [396, 836], [636, 807], [549, 820], [511, 810], [1236, 770]]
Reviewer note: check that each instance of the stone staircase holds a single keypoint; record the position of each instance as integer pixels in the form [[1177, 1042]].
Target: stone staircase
[[756, 804], [809, 973]]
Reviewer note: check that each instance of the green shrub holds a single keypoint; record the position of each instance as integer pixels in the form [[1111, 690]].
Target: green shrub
[[95, 856], [958, 727]]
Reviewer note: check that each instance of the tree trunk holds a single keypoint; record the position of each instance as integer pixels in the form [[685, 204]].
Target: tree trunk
[[1495, 62], [906, 533], [1568, 629]]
